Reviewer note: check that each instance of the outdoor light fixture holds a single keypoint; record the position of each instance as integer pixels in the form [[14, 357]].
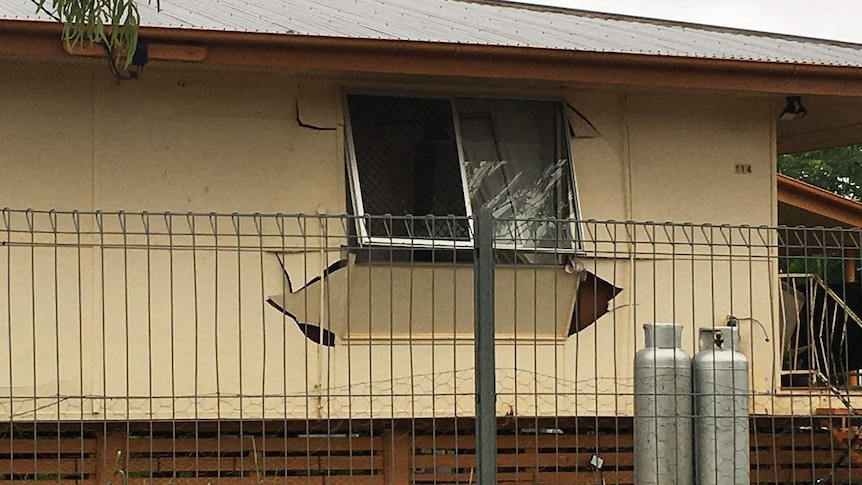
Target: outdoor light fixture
[[793, 109]]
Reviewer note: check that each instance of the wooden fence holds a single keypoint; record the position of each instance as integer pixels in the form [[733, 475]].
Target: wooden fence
[[783, 451]]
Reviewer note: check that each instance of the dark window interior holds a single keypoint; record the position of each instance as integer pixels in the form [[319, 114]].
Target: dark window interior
[[408, 164]]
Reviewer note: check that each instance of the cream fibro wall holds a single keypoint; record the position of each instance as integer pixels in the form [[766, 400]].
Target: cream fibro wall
[[197, 141], [673, 157], [114, 333]]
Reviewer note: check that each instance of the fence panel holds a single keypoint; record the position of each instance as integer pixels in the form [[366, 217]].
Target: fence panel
[[249, 348]]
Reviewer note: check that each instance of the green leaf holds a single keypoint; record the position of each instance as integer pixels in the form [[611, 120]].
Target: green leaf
[[838, 170], [114, 23]]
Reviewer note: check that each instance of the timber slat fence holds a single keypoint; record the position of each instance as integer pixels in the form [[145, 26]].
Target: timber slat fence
[[783, 451]]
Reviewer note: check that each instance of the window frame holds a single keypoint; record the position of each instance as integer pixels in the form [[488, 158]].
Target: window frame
[[355, 187]]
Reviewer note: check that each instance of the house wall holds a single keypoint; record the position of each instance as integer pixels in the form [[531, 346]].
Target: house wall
[[672, 157], [116, 322]]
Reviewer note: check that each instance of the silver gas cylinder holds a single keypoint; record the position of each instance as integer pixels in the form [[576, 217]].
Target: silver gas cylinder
[[663, 405], [721, 409]]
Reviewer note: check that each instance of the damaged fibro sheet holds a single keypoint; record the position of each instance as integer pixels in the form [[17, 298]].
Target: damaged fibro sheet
[[519, 171], [446, 159]]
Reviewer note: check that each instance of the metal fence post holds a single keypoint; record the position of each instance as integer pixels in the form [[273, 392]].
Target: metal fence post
[[486, 393]]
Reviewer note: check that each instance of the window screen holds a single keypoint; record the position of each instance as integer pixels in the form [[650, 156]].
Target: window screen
[[408, 164]]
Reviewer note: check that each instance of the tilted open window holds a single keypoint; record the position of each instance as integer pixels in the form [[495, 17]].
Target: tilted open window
[[449, 156]]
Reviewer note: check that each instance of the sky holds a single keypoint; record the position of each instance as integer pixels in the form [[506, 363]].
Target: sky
[[825, 19]]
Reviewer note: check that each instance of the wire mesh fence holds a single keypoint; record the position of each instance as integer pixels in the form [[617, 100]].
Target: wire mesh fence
[[249, 348]]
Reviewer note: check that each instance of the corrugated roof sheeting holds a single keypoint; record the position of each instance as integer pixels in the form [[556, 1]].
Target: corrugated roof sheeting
[[478, 23]]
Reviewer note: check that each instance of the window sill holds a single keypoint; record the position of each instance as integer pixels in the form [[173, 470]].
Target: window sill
[[394, 255]]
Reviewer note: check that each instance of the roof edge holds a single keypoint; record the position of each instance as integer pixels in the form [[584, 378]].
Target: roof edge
[[519, 5], [794, 192], [246, 49], [663, 22]]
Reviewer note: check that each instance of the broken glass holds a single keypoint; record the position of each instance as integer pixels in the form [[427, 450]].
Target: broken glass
[[516, 167]]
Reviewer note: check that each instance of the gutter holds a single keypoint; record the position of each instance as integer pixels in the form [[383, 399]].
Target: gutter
[[352, 55]]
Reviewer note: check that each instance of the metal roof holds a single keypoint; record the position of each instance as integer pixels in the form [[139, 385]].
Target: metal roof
[[477, 22]]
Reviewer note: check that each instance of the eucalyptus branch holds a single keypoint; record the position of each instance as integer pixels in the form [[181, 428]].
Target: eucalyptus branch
[[112, 23]]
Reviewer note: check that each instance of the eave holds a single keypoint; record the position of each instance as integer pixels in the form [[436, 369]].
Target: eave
[[369, 56], [833, 209]]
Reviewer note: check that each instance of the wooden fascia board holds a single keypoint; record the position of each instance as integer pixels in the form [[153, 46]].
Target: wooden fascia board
[[818, 201], [824, 138], [155, 52], [242, 49]]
